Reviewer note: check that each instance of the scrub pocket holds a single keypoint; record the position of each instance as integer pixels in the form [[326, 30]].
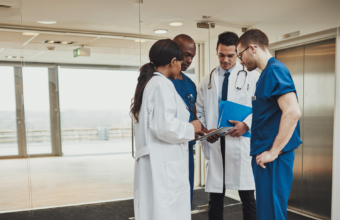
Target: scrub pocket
[[178, 176], [256, 112]]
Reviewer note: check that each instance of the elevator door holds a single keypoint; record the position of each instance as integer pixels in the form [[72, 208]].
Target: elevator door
[[313, 69]]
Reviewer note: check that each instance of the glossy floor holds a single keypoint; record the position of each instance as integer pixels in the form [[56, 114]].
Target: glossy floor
[[57, 181]]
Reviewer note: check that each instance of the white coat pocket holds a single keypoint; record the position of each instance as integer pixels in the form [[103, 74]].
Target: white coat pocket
[[178, 176]]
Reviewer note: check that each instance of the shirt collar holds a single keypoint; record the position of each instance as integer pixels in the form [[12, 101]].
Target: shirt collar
[[222, 71]]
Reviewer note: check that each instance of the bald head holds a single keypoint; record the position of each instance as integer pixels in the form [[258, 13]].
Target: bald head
[[189, 49]]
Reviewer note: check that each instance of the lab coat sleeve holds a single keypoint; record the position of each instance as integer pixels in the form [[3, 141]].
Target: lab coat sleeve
[[200, 112], [162, 116]]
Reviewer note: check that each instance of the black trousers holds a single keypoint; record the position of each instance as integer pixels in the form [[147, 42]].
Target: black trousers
[[216, 200]]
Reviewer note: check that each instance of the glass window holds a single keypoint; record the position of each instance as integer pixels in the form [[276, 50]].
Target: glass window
[[94, 109], [8, 127], [37, 110]]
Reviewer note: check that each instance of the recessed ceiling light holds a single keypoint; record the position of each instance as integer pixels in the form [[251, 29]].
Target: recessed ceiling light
[[160, 31], [176, 23], [30, 33], [58, 42], [47, 22], [14, 57], [140, 40]]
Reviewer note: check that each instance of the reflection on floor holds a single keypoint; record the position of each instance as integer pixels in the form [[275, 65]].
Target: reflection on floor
[[65, 180]]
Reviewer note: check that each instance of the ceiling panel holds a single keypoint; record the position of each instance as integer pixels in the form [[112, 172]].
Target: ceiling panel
[[18, 37]]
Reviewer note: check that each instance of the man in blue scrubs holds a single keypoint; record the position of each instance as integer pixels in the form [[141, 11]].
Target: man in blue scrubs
[[275, 132], [186, 88]]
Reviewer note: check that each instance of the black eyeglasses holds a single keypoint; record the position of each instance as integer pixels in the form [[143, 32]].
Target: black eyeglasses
[[240, 54]]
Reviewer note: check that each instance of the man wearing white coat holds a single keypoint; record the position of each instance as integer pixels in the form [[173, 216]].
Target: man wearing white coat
[[228, 158]]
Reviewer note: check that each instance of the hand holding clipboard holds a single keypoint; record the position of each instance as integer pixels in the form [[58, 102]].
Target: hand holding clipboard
[[231, 114]]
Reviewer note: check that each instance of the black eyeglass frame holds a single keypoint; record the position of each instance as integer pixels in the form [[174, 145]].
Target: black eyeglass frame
[[239, 55]]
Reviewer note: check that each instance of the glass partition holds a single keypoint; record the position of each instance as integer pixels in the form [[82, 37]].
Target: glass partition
[[66, 84], [78, 77], [14, 189]]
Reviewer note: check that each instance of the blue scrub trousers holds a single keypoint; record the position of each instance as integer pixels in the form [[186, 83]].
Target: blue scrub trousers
[[273, 186], [191, 170]]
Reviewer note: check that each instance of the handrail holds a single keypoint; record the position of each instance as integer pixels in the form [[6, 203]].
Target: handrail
[[67, 134]]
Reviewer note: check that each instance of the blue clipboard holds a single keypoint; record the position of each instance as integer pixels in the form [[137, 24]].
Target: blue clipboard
[[233, 111]]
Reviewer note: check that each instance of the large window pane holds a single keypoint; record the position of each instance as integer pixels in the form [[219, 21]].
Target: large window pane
[[8, 128], [37, 110], [94, 106]]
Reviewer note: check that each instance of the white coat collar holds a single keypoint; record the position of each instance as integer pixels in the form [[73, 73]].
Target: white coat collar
[[158, 73], [219, 70]]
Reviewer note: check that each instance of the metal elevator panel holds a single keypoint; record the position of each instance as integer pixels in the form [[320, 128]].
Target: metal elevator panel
[[293, 58], [319, 92], [313, 70]]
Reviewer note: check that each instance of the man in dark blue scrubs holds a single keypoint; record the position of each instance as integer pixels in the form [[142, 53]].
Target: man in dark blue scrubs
[[275, 132], [186, 88]]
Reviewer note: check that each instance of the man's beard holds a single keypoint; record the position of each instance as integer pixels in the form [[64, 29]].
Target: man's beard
[[251, 64]]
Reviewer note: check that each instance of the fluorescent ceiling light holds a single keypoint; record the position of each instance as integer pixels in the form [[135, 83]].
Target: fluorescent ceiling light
[[30, 33], [140, 40], [176, 23], [160, 31], [47, 22], [14, 57]]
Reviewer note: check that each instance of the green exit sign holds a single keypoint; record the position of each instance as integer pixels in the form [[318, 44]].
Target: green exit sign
[[76, 52]]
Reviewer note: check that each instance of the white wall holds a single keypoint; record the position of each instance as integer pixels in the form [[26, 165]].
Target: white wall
[[273, 30]]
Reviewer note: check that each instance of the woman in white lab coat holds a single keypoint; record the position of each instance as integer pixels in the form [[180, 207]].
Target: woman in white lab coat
[[162, 132]]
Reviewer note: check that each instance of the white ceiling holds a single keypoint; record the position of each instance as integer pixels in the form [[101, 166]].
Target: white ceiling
[[122, 16]]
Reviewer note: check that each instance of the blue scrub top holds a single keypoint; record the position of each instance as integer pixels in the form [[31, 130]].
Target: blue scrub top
[[185, 88], [275, 81]]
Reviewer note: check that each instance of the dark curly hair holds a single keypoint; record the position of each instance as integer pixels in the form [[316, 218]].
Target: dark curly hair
[[227, 39]]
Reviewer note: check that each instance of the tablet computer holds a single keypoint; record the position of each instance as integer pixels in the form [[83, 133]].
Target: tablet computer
[[218, 131]]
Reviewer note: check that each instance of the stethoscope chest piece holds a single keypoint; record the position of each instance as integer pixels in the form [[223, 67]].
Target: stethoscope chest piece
[[209, 84]]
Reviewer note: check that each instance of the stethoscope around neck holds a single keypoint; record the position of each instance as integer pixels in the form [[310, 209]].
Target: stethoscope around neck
[[238, 88]]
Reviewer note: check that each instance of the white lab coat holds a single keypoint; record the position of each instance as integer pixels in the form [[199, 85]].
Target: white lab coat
[[161, 186], [238, 170]]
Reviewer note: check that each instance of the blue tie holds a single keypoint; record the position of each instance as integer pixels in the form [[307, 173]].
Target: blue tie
[[225, 86]]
